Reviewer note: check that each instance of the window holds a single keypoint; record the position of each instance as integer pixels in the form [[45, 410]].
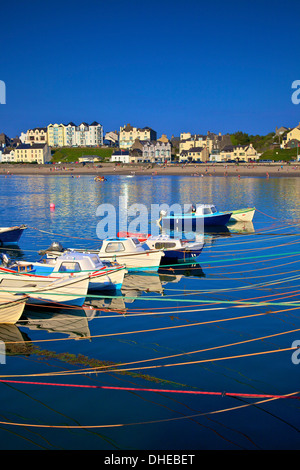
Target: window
[[206, 210], [69, 267], [163, 245], [114, 247]]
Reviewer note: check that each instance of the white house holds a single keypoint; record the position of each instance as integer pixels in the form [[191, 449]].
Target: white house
[[7, 156], [89, 135], [120, 156], [70, 134]]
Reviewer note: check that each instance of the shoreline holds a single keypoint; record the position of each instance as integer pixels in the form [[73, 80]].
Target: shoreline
[[265, 170]]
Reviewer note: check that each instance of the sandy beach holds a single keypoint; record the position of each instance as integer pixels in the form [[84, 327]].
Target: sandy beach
[[265, 170]]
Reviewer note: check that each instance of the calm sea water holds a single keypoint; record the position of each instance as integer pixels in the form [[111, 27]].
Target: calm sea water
[[181, 329]]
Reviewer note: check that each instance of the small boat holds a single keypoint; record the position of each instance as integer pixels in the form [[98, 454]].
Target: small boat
[[100, 178], [173, 248], [11, 234], [69, 291], [197, 217], [128, 252], [11, 307], [243, 215], [61, 265]]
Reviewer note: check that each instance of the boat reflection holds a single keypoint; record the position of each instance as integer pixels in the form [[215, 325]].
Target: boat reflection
[[95, 306], [17, 343], [72, 322], [242, 227], [137, 284], [215, 231], [13, 251], [182, 270]]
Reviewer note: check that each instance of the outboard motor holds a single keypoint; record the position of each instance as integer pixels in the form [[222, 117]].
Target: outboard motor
[[56, 246], [5, 259], [162, 214]]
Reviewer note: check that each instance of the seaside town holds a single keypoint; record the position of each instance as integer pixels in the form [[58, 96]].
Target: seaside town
[[149, 258], [134, 145]]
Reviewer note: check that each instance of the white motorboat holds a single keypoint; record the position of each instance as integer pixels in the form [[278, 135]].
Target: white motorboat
[[127, 251], [174, 248], [243, 215], [63, 265], [71, 291], [11, 307], [63, 291]]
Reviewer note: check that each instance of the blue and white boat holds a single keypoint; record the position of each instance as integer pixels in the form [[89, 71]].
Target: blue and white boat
[[175, 248], [20, 274], [196, 218], [129, 252], [11, 234]]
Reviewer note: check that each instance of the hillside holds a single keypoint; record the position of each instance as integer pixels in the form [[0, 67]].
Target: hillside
[[260, 142], [67, 154], [278, 154]]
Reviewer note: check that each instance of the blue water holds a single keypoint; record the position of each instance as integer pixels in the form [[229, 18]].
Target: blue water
[[180, 329]]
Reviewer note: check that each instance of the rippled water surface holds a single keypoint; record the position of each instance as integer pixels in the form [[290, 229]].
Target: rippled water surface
[[224, 324]]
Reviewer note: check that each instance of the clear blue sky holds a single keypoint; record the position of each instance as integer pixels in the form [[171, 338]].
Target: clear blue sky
[[192, 65]]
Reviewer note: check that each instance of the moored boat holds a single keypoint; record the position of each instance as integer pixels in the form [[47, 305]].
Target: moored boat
[[173, 248], [11, 307], [129, 252], [70, 290], [243, 215], [11, 234], [196, 218], [61, 265]]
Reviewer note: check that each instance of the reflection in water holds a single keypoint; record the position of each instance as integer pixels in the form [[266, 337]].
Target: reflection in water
[[68, 321], [185, 348], [185, 270], [13, 251], [242, 227], [15, 341]]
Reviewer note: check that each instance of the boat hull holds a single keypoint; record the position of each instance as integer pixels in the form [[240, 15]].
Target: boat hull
[[62, 291], [11, 308], [243, 215], [193, 222], [113, 280], [181, 255], [11, 234]]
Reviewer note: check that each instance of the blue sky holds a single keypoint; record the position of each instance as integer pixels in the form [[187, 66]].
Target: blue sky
[[176, 66]]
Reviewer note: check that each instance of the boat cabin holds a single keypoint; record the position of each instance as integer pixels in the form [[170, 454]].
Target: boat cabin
[[76, 262], [162, 242], [69, 262], [205, 209], [124, 245]]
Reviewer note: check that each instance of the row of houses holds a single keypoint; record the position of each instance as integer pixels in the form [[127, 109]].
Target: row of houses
[[134, 144], [138, 145], [145, 151], [65, 135], [26, 153]]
